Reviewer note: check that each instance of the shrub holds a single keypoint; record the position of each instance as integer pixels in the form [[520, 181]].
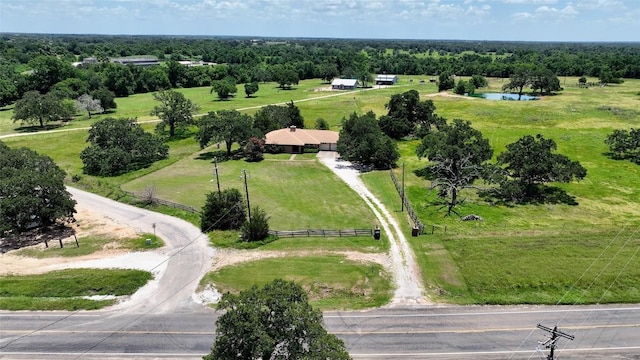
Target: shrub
[[257, 228]]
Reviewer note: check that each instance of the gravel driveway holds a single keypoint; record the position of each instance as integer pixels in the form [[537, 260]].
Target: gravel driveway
[[409, 289]]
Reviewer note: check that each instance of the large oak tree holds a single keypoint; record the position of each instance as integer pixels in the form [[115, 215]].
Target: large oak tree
[[273, 322], [363, 142], [458, 154], [32, 191], [529, 163], [229, 126], [119, 146], [175, 111], [36, 108]]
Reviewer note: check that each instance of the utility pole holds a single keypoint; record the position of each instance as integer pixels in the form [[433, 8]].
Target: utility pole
[[553, 339], [215, 173], [246, 189], [402, 206]]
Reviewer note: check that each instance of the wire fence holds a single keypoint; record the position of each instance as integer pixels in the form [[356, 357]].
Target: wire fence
[[417, 224], [321, 233], [569, 228], [155, 200]]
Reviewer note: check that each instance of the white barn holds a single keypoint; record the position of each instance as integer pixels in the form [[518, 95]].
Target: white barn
[[344, 84], [386, 79]]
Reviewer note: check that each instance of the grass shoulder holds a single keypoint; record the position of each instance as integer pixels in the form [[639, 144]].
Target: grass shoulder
[[71, 289], [333, 282]]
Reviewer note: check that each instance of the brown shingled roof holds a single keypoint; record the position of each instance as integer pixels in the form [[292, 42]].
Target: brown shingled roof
[[301, 137]]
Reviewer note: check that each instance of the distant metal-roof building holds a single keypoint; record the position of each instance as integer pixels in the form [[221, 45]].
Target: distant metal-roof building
[[137, 61], [344, 84], [386, 79]]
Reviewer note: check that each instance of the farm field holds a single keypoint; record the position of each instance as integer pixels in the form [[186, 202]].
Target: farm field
[[521, 254]]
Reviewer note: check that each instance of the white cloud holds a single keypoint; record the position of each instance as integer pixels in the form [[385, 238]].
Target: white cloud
[[567, 11]]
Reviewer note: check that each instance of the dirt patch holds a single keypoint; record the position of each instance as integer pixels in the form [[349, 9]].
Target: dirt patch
[[448, 94], [228, 257], [89, 223]]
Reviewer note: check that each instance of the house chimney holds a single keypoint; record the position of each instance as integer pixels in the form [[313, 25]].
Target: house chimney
[[292, 128]]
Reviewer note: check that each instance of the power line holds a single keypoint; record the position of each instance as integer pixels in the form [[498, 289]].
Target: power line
[[574, 285]]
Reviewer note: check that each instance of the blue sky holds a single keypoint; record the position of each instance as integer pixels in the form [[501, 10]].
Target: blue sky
[[526, 20]]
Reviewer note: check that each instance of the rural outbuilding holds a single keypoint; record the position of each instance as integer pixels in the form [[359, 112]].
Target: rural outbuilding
[[344, 84], [386, 79], [293, 140]]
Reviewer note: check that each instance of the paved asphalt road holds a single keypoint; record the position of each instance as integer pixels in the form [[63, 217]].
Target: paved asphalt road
[[187, 249], [165, 323], [425, 332]]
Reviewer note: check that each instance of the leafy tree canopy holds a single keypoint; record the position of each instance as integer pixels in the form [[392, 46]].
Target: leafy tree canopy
[[529, 163], [458, 154], [118, 146], [106, 97], [407, 114], [256, 228], [175, 111], [229, 126], [273, 322], [32, 190], [624, 144], [35, 108], [251, 88], [224, 88], [223, 211], [363, 142], [254, 149], [274, 117], [446, 81]]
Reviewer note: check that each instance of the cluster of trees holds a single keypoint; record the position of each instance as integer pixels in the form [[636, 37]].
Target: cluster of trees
[[274, 321], [232, 127], [57, 84], [459, 155], [363, 142], [285, 61], [32, 191], [118, 146], [624, 144]]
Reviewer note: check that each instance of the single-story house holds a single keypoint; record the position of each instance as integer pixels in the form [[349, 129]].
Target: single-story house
[[386, 79], [344, 84], [293, 140]]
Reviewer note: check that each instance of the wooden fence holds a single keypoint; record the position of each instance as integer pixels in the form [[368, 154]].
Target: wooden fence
[[155, 200], [417, 224], [322, 233]]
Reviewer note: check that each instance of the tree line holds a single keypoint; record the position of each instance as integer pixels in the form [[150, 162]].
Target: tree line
[[39, 62]]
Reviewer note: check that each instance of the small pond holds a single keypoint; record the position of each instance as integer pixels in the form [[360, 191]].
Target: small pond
[[503, 96]]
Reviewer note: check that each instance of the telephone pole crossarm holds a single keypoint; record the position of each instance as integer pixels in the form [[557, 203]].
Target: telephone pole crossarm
[[555, 334]]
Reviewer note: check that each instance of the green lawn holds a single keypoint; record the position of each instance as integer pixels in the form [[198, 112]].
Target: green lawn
[[68, 289], [332, 281], [298, 194], [460, 259]]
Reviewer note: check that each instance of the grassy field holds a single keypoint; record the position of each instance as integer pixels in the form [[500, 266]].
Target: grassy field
[[527, 254], [332, 282], [69, 289], [554, 253]]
